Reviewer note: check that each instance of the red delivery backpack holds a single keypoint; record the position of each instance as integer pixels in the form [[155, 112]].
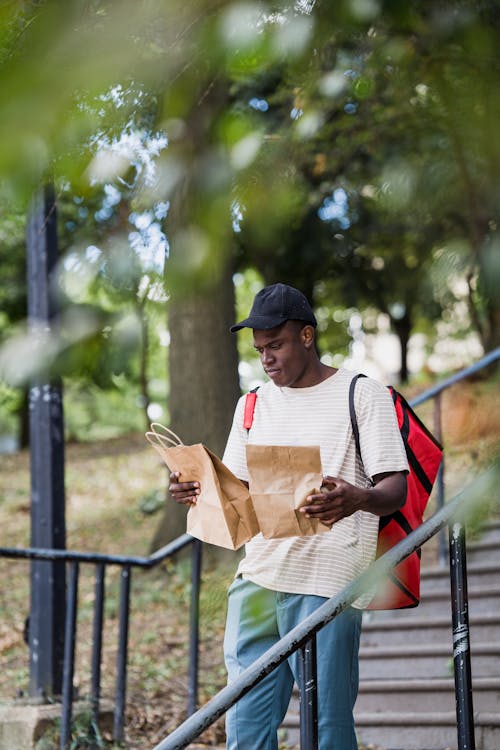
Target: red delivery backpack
[[402, 588], [424, 453]]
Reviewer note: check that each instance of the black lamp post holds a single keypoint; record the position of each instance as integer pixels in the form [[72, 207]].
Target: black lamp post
[[48, 527]]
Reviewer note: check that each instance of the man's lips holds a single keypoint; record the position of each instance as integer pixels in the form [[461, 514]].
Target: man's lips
[[272, 372]]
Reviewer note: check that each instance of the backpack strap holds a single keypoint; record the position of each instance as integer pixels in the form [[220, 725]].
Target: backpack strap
[[354, 419], [250, 400], [352, 413]]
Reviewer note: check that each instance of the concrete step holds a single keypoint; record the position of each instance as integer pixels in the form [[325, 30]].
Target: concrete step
[[418, 696], [412, 731], [424, 695], [482, 599], [434, 731], [484, 550], [437, 601], [406, 626], [424, 661], [478, 574], [490, 532]]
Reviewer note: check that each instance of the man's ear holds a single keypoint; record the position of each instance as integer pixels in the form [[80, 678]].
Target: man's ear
[[307, 335]]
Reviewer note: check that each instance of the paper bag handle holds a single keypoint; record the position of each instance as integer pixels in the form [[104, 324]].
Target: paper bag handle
[[166, 440]]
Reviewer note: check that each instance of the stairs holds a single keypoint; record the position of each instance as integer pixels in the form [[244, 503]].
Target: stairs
[[406, 698]]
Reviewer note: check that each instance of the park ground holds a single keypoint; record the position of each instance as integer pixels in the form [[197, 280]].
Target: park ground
[[115, 495]]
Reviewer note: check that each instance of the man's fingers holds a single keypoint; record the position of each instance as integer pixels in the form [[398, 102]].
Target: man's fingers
[[184, 486], [187, 497], [185, 493]]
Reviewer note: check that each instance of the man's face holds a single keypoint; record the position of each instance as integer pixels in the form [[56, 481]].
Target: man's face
[[285, 352]]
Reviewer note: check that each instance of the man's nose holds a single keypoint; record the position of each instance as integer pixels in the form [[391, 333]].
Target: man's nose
[[266, 356]]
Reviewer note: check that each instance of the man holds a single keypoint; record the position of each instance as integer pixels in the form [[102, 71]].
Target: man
[[279, 582]]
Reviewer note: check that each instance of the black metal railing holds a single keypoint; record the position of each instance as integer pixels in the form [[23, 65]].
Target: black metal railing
[[127, 563]]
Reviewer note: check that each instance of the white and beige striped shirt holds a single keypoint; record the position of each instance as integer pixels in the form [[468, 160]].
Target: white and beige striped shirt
[[319, 415]]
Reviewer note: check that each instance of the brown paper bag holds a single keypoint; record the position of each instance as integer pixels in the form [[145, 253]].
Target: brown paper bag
[[223, 514], [280, 479]]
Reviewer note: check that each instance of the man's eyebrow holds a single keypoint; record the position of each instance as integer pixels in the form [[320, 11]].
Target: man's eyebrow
[[269, 343]]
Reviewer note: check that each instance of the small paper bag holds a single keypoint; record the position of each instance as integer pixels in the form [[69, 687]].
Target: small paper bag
[[223, 514], [280, 479]]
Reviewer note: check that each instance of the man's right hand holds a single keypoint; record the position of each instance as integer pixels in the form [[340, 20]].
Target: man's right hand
[[185, 493]]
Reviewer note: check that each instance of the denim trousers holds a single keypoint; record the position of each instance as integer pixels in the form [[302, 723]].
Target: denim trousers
[[257, 618]]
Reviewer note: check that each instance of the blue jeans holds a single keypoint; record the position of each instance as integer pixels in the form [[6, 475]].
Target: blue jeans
[[257, 618]]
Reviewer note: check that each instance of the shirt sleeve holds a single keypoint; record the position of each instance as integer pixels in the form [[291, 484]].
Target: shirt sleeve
[[382, 448], [235, 453]]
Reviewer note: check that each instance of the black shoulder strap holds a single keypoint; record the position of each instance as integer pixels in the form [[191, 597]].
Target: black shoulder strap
[[352, 412]]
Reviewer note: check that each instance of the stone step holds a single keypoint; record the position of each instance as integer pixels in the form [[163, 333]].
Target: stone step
[[427, 660], [406, 627], [482, 599], [478, 574], [437, 601], [484, 550], [434, 731], [490, 532], [412, 731], [424, 695], [418, 695]]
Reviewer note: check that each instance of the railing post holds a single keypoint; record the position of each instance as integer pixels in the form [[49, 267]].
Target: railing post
[[95, 692], [308, 695], [194, 626], [121, 660], [461, 640], [69, 656]]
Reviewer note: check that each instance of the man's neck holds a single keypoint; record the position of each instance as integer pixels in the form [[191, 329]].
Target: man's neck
[[316, 373]]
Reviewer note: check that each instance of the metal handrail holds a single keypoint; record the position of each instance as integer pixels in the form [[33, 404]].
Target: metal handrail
[[126, 563], [435, 390], [151, 561], [302, 633]]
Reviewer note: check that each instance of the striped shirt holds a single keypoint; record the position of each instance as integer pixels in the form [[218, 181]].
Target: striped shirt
[[324, 563]]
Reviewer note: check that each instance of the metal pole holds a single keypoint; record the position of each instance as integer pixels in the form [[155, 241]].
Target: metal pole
[[121, 660], [69, 656], [308, 696], [461, 640], [194, 627], [95, 691], [48, 527]]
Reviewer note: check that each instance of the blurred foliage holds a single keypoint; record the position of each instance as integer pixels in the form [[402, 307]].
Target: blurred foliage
[[347, 148], [388, 134]]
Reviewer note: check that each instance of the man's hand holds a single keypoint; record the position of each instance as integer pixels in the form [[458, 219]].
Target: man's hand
[[185, 493], [339, 499]]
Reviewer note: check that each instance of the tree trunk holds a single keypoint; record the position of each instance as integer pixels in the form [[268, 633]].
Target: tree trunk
[[204, 366], [203, 360], [204, 384]]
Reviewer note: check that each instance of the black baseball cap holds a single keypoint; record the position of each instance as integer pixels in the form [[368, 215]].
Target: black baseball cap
[[274, 305]]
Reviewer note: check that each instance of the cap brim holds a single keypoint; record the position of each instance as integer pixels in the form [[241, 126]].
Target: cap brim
[[259, 322]]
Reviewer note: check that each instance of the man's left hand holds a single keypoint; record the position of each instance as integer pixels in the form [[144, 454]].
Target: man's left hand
[[337, 499]]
